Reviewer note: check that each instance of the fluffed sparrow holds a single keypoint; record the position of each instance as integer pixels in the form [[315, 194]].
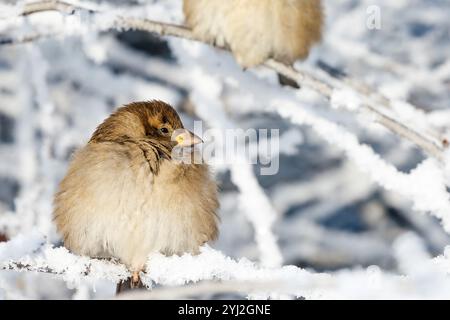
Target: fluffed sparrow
[[124, 196]]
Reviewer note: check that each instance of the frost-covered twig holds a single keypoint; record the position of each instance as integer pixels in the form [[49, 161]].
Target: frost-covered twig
[[20, 266], [429, 146], [71, 268], [390, 122], [32, 253], [421, 277], [415, 117]]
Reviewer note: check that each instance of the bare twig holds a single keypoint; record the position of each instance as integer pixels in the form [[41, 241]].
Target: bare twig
[[164, 29], [389, 121], [50, 5]]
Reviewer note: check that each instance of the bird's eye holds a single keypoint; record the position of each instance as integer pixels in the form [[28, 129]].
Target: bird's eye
[[164, 130]]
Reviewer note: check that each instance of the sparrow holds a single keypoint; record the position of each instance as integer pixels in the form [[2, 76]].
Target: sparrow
[[125, 196], [256, 30]]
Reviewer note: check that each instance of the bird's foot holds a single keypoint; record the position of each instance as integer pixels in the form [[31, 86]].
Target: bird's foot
[[136, 280]]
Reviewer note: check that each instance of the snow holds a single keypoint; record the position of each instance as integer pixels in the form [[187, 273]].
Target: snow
[[425, 185], [345, 99], [291, 281], [34, 251], [447, 167], [259, 211], [346, 198], [21, 245]]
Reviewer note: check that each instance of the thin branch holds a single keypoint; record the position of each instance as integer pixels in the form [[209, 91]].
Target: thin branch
[[87, 269], [26, 39], [164, 29], [378, 98], [20, 266], [384, 119], [50, 5], [427, 144]]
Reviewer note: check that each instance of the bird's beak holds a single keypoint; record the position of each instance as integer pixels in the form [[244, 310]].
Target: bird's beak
[[185, 138]]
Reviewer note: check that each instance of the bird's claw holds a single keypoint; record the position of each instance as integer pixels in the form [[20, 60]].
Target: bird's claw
[[135, 280]]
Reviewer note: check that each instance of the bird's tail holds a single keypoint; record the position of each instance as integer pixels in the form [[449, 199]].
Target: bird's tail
[[128, 285]]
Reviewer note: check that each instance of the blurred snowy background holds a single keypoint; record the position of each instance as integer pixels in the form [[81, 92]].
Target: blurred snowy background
[[330, 215]]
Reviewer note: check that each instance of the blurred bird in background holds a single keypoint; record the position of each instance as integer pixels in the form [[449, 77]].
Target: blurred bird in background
[[256, 30], [124, 196]]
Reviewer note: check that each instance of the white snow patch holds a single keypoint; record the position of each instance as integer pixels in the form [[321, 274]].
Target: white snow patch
[[345, 99]]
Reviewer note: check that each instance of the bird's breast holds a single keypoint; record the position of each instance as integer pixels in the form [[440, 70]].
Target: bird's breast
[[111, 204], [177, 214]]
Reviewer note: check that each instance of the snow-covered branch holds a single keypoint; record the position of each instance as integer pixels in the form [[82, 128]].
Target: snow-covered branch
[[32, 253], [430, 144], [257, 282]]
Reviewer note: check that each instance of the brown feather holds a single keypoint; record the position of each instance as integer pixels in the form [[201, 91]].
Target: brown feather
[[256, 30], [124, 197]]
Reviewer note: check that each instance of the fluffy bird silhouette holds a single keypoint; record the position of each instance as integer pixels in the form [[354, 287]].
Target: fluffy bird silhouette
[[256, 30], [125, 196]]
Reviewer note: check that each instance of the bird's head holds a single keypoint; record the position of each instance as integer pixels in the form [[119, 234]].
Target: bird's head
[[154, 120]]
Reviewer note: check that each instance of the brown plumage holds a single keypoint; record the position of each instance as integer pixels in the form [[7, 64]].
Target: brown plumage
[[124, 196], [256, 30]]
